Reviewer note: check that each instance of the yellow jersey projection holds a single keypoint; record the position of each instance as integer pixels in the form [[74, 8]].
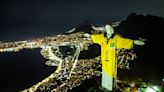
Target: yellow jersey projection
[[108, 51]]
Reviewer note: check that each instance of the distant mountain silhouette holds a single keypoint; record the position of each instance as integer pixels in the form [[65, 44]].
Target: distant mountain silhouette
[[148, 26], [150, 57]]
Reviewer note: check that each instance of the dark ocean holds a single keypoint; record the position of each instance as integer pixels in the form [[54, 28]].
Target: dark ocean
[[20, 70]]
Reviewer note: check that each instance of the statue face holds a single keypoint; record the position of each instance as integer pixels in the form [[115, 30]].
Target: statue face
[[109, 30]]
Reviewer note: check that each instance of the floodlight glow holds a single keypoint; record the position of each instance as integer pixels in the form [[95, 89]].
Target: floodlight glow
[[152, 89]]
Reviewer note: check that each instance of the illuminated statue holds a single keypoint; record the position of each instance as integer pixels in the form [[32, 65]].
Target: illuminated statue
[[109, 44]]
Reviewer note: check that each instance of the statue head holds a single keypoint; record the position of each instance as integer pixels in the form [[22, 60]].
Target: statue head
[[109, 30]]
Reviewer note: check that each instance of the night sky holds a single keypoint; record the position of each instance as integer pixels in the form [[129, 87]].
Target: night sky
[[29, 19]]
